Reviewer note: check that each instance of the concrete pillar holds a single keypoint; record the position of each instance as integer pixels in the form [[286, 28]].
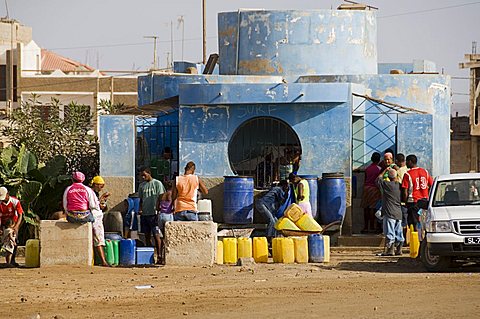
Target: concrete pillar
[[190, 243], [64, 243]]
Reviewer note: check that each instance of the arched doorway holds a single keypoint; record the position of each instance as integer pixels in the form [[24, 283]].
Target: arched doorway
[[261, 147]]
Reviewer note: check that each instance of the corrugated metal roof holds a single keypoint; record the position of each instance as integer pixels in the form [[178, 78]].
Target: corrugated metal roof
[[53, 61]]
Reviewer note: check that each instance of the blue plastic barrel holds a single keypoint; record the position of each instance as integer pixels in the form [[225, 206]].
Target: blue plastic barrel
[[316, 249], [238, 200], [127, 252], [333, 198], [313, 185]]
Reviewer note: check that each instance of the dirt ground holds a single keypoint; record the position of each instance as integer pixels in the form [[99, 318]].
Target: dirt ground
[[356, 284]]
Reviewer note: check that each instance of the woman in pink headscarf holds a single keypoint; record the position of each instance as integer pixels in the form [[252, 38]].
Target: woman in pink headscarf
[[81, 205]]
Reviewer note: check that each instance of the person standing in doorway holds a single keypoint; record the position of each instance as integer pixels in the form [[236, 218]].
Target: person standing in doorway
[[148, 192], [371, 194], [415, 185], [185, 192]]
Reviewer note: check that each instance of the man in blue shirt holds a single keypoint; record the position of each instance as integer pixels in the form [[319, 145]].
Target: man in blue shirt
[[270, 203]]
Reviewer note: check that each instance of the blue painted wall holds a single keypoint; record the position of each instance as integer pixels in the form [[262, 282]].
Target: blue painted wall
[[425, 92], [297, 42], [117, 145], [320, 114]]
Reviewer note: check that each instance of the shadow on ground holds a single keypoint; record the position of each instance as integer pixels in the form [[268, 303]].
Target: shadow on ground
[[398, 265]]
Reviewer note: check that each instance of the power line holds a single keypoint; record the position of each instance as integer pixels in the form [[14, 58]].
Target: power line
[[429, 10], [123, 44]]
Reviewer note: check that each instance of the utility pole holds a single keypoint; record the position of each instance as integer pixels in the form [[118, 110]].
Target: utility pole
[[182, 21], [171, 42], [204, 28], [154, 37]]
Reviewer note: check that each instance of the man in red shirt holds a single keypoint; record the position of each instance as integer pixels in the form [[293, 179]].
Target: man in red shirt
[[415, 185], [10, 208]]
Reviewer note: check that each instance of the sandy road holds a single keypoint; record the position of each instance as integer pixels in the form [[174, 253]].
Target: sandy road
[[353, 285]]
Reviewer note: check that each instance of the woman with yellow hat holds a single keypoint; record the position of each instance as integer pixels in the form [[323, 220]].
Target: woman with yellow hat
[[97, 185]]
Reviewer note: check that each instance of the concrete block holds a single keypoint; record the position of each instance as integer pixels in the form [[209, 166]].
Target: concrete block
[[245, 261], [64, 243], [190, 243]]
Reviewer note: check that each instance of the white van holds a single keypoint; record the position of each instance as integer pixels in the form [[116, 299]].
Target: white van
[[451, 221]]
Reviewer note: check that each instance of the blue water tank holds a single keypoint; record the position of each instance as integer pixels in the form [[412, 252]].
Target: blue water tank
[[333, 198], [238, 200], [313, 185], [127, 252], [316, 248]]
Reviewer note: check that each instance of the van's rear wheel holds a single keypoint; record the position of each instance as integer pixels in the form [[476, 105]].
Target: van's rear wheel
[[433, 262]]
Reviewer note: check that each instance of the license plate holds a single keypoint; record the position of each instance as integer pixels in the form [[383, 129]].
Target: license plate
[[472, 240]]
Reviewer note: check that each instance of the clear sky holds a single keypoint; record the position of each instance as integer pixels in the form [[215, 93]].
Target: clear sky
[[111, 32]]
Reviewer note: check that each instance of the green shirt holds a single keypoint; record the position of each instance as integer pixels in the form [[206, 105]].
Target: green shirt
[[148, 193]]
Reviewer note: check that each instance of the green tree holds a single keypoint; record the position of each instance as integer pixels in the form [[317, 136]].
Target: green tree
[[51, 129]]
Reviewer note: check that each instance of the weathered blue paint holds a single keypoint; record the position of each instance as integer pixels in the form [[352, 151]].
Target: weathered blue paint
[[117, 145], [415, 136], [297, 42], [425, 92], [324, 128], [157, 87], [274, 93]]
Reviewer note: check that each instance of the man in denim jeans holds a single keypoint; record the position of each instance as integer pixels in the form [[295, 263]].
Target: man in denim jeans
[[391, 212], [185, 194]]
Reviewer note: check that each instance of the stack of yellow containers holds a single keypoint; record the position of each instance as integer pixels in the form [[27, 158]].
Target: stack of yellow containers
[[295, 219]]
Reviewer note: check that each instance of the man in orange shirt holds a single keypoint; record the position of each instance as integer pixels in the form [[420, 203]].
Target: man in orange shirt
[[184, 194]]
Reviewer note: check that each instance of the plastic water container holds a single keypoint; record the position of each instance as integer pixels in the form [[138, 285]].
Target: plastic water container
[[32, 253], [283, 250], [145, 256], [238, 200], [287, 250], [116, 253], [294, 212], [312, 181], [316, 248], [127, 252], [301, 249], [230, 250], [285, 223], [113, 221], [260, 249], [333, 197], [244, 247], [219, 253], [204, 207], [276, 250], [307, 223], [326, 248], [109, 254], [414, 244]]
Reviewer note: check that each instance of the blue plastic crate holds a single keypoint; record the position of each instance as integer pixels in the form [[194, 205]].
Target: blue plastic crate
[[145, 256]]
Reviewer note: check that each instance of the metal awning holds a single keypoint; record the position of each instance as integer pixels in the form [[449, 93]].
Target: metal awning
[[393, 107], [164, 106]]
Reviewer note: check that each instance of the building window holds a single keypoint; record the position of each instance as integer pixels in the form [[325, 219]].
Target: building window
[[265, 148], [4, 85]]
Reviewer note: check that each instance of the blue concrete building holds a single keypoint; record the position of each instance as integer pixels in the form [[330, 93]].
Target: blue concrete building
[[307, 82]]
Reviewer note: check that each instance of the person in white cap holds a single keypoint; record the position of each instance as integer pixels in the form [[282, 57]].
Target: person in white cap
[[10, 208]]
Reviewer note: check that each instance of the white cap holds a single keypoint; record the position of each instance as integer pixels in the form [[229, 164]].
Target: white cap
[[3, 193]]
